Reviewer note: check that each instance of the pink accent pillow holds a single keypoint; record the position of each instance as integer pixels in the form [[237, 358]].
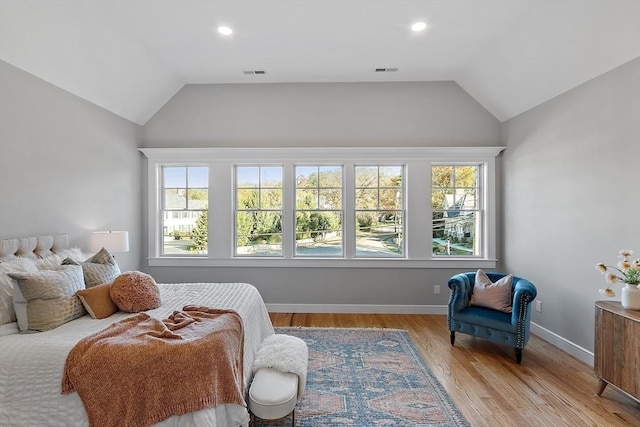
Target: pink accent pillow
[[492, 295], [134, 291]]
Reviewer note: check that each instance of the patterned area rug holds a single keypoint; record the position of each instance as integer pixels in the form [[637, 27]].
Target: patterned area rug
[[368, 378]]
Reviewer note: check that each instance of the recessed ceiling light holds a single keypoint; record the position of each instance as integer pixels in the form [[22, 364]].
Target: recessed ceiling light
[[419, 26], [225, 31]]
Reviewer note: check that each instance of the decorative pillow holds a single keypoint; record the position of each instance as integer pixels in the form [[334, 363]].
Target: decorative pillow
[[100, 268], [492, 295], [97, 300], [49, 296], [7, 312], [134, 291], [25, 265], [7, 285]]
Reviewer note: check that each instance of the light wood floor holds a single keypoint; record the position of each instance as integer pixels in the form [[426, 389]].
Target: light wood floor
[[549, 388]]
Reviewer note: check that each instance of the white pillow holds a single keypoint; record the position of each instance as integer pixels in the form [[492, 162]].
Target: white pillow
[[7, 312], [7, 285], [50, 297], [26, 265], [100, 268], [496, 296]]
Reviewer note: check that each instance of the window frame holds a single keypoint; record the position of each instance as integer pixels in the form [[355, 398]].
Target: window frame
[[480, 208], [162, 204], [378, 187], [259, 188], [417, 163], [319, 188]]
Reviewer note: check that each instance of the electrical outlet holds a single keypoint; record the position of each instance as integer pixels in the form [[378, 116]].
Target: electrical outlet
[[539, 306], [436, 289]]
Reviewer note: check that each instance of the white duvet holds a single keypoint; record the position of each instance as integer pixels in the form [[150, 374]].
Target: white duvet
[[31, 365]]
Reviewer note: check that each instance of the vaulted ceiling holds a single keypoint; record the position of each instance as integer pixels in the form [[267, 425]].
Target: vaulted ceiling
[[130, 57]]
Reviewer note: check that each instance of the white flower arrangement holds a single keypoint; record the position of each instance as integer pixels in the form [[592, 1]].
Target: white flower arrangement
[[627, 272]]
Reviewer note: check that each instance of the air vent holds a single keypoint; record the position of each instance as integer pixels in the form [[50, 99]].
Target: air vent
[[255, 72], [385, 70]]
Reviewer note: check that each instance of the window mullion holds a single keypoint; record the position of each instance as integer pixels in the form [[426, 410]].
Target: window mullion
[[155, 208], [221, 210], [488, 198], [418, 210], [349, 206], [288, 215]]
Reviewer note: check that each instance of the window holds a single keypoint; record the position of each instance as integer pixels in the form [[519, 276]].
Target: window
[[379, 212], [427, 207], [318, 211], [455, 200], [185, 198], [258, 210]]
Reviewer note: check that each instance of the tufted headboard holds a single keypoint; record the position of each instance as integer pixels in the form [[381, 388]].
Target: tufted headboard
[[33, 247]]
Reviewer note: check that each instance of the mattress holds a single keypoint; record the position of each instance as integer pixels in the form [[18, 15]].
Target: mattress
[[31, 365]]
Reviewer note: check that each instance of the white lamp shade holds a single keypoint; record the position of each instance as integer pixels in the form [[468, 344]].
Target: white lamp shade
[[112, 241]]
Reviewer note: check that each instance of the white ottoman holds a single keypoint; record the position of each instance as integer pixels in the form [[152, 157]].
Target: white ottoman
[[273, 395]]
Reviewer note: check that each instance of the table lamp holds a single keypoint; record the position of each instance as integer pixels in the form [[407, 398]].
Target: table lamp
[[112, 241]]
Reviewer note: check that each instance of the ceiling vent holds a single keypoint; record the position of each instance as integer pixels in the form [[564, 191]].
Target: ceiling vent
[[253, 72], [385, 70]]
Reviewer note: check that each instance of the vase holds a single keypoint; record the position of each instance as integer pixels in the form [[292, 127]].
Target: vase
[[630, 297]]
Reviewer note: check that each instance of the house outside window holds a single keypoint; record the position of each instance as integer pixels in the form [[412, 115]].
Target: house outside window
[[185, 200], [456, 209]]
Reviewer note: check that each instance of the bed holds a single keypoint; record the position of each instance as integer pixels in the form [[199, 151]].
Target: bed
[[31, 365]]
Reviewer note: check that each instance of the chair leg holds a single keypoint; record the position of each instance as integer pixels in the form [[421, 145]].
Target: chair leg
[[453, 337], [518, 355], [293, 418]]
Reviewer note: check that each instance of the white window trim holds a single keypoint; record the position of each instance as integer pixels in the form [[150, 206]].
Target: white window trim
[[282, 210], [342, 209], [417, 161]]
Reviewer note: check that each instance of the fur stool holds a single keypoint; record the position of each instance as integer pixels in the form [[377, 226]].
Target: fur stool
[[280, 376], [273, 395]]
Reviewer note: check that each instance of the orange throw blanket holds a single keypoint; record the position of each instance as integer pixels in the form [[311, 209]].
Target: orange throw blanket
[[142, 370]]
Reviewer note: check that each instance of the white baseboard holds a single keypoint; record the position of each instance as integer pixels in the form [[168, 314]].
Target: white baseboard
[[357, 308], [564, 344]]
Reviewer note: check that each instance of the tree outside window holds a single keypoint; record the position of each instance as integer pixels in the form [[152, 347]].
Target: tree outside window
[[318, 191], [258, 226]]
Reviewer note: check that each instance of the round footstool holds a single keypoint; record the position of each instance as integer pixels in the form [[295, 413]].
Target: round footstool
[[273, 395]]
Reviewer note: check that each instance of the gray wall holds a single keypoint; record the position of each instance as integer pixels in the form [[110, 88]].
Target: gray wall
[[571, 196], [66, 165], [323, 115]]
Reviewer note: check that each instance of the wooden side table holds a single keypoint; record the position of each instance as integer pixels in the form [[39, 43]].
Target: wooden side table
[[617, 348]]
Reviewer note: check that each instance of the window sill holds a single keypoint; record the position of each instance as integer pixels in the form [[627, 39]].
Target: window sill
[[187, 261]]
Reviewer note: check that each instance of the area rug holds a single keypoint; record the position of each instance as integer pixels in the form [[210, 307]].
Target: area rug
[[368, 378]]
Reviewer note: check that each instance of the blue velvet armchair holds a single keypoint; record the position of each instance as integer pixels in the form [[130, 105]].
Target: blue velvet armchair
[[497, 326]]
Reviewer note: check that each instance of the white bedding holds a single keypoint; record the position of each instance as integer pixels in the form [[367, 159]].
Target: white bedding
[[31, 365]]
